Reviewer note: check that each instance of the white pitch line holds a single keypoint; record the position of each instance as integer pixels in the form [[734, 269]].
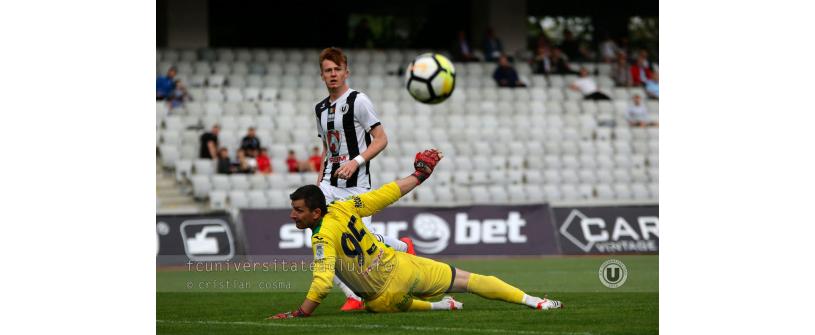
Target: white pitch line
[[364, 326]]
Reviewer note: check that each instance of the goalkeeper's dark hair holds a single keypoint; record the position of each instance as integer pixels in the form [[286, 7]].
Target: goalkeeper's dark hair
[[312, 196]]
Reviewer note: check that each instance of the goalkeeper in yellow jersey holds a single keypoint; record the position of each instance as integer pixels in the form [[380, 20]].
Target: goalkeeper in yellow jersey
[[387, 280]]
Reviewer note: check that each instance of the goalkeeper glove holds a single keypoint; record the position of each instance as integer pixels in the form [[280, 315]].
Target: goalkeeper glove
[[425, 163], [299, 313]]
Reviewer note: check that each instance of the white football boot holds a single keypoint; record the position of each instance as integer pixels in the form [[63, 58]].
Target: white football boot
[[545, 304]]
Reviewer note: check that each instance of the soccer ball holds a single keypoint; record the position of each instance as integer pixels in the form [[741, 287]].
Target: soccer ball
[[430, 78]]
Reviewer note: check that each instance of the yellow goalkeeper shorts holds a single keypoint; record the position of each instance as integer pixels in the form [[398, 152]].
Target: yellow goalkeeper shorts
[[413, 277]]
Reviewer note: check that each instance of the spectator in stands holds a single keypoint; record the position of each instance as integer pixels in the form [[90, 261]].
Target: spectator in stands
[[637, 114], [652, 86], [165, 85], [292, 162], [179, 95], [461, 50], [505, 75], [640, 71], [250, 143], [493, 49], [224, 164], [264, 164], [608, 49], [209, 144], [315, 160], [244, 164], [620, 71], [363, 36], [542, 62], [560, 65], [586, 86], [571, 47]]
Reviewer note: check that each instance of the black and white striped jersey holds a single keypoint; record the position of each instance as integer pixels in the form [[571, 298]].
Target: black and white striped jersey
[[344, 125]]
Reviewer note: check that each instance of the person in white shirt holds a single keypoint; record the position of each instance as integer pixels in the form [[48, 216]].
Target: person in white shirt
[[637, 114], [586, 86]]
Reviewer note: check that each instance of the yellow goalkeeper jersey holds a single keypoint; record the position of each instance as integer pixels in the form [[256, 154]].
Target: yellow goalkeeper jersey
[[342, 246]]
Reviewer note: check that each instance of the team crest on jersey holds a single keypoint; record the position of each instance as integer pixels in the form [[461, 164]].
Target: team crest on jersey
[[344, 108], [319, 252], [334, 142]]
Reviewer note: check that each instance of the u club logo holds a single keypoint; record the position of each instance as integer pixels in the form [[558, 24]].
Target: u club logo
[[613, 273]]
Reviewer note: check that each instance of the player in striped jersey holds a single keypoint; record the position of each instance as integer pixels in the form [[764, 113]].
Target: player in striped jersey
[[352, 135]]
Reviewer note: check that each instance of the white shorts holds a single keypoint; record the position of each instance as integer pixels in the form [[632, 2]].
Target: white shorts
[[333, 193]]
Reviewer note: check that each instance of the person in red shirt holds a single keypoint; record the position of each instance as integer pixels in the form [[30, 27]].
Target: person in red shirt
[[291, 161], [640, 71], [264, 165], [315, 160]]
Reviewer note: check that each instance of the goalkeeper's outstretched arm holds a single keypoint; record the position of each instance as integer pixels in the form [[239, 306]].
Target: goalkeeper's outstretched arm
[[424, 164]]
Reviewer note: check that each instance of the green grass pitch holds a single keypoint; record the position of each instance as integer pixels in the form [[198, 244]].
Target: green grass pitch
[[237, 302]]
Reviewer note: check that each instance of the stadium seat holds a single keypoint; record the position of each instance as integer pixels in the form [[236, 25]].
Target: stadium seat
[[570, 162], [514, 176], [639, 175], [239, 182], [169, 155], [293, 180], [552, 176], [605, 161], [479, 177], [534, 193], [533, 177], [623, 191], [462, 194], [552, 162], [204, 167], [586, 191], [517, 194], [201, 186], [604, 176], [278, 198], [238, 199], [480, 194], [552, 193], [622, 175], [587, 175], [496, 176], [604, 192], [258, 182], [498, 194], [221, 182], [183, 170], [425, 196], [570, 192], [653, 189], [257, 199], [569, 176], [640, 191], [217, 200]]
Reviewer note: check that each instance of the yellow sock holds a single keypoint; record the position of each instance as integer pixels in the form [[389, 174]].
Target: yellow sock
[[419, 305], [491, 287]]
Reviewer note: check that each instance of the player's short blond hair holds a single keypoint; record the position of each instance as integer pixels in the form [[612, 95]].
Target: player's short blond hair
[[335, 55]]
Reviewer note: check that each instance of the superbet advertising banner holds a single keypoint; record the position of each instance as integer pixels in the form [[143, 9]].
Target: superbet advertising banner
[[469, 230], [608, 230]]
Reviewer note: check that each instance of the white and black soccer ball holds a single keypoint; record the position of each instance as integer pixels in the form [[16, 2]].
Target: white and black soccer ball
[[430, 78]]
